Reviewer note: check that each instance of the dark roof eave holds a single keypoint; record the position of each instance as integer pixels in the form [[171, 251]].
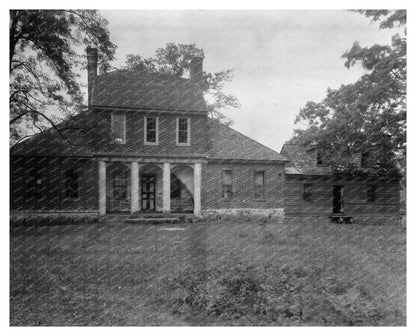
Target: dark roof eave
[[149, 109]]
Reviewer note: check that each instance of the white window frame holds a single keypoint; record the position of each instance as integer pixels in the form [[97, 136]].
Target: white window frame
[[124, 127], [189, 132], [145, 131]]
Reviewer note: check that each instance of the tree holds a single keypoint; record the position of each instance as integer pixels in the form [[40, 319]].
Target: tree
[[175, 59], [46, 46], [369, 114]]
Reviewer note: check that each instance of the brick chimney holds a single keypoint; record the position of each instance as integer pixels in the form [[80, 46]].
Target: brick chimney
[[92, 62], [195, 69]]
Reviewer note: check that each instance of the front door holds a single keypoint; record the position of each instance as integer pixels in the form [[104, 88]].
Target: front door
[[338, 198], [148, 192]]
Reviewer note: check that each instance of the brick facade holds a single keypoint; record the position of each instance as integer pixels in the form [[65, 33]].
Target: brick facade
[[243, 186], [52, 174], [135, 126]]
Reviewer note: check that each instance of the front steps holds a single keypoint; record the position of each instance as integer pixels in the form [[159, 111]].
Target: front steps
[[148, 218]]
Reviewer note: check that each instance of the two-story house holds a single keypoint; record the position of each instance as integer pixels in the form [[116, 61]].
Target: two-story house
[[145, 144]]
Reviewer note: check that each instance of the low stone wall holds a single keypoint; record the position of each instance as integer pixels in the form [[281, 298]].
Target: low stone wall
[[276, 214]]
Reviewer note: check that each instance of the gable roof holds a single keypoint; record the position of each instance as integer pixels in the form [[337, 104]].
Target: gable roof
[[303, 161], [135, 90], [226, 143]]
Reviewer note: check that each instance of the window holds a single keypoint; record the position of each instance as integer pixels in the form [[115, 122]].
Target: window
[[308, 192], [227, 184], [118, 128], [71, 183], [259, 185], [151, 131], [182, 136], [119, 185], [34, 189], [367, 159], [319, 160], [371, 193]]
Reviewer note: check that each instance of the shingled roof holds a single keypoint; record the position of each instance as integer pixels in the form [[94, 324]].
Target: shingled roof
[[136, 90], [74, 136], [226, 143], [303, 161]]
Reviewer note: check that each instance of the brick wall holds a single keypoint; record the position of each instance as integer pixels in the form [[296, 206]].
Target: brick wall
[[243, 186], [167, 134], [52, 172]]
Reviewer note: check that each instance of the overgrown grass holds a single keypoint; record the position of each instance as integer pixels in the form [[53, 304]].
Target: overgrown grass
[[208, 274]]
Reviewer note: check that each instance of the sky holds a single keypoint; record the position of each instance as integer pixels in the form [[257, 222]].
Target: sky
[[280, 58]]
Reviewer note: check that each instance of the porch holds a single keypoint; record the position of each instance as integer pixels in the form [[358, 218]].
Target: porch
[[149, 187]]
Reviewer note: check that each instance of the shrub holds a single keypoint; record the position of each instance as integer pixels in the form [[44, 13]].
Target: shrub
[[266, 295]]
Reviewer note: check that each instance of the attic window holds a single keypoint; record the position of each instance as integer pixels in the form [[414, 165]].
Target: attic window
[[151, 131], [118, 128], [367, 159], [182, 133], [319, 160]]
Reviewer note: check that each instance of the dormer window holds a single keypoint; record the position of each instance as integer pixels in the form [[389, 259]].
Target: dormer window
[[319, 159], [151, 134], [118, 128], [367, 159], [182, 131]]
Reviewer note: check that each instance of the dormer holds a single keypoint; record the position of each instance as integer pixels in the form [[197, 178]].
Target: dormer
[[367, 159], [315, 154]]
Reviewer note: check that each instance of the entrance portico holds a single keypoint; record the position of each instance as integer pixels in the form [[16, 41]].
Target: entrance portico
[[147, 186]]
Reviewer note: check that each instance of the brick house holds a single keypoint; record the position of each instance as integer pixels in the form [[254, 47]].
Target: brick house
[[145, 144], [311, 190]]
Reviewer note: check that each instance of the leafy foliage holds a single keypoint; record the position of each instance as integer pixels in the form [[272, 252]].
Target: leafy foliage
[[369, 114], [268, 295], [45, 49], [175, 59]]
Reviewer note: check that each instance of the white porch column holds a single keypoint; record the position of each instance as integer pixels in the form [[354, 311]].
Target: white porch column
[[197, 189], [166, 187], [102, 194], [134, 197]]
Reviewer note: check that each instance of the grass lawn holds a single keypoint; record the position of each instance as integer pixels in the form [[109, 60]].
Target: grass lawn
[[208, 274]]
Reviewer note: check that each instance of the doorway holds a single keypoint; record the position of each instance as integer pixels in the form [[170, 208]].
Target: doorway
[[148, 192], [338, 199]]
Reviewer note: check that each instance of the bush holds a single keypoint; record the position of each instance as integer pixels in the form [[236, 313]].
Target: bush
[[266, 295]]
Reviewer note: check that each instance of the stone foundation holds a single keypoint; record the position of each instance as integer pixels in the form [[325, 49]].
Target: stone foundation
[[276, 214]]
